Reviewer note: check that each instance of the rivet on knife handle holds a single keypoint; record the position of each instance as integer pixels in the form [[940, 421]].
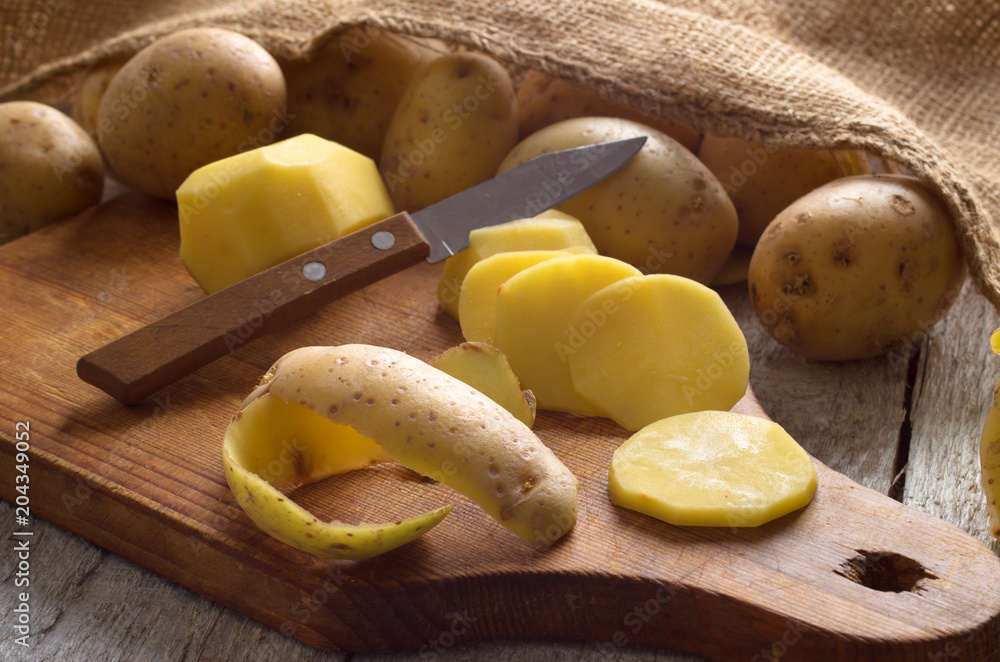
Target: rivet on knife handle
[[154, 356]]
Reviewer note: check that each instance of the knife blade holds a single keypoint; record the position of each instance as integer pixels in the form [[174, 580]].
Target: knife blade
[[141, 363]]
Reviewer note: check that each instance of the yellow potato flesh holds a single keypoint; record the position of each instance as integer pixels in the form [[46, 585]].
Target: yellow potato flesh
[[272, 444], [550, 230], [249, 212], [656, 346], [533, 310], [486, 369], [712, 468], [477, 304], [989, 453]]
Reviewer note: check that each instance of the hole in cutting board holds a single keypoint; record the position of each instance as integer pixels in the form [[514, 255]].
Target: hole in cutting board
[[885, 571]]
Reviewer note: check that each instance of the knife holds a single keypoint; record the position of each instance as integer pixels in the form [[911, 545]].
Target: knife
[[139, 364]]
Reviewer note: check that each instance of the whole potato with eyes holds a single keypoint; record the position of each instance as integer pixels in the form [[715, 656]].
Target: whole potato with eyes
[[856, 268], [663, 212], [49, 168], [186, 100]]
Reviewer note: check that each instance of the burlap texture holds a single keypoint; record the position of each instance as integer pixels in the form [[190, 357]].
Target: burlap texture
[[916, 82]]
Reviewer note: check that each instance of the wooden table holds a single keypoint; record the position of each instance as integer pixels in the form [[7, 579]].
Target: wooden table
[[906, 424]]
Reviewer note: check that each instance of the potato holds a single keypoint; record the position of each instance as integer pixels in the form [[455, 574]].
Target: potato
[[712, 468], [549, 230], [455, 123], [543, 100], [663, 212], [763, 180], [646, 348], [186, 100], [49, 168], [485, 368], [856, 268], [348, 91], [437, 426], [90, 91], [262, 207], [533, 310], [989, 453], [272, 444], [477, 304]]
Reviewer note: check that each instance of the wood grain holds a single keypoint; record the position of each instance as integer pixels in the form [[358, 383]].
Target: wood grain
[[156, 495]]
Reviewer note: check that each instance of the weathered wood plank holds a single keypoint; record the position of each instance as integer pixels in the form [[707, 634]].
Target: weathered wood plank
[[952, 395]]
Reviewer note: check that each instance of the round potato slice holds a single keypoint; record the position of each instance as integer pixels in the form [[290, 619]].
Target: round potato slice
[[533, 308], [477, 303], [647, 348], [712, 468]]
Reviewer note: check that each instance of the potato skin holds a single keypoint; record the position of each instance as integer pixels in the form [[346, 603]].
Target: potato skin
[[349, 90], [49, 168], [452, 128], [186, 100], [663, 212], [438, 426], [856, 268]]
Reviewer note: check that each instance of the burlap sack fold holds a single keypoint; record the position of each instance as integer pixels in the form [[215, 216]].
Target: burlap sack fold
[[915, 82]]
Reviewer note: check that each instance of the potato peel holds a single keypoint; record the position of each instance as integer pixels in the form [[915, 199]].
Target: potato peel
[[271, 444], [293, 525], [437, 426]]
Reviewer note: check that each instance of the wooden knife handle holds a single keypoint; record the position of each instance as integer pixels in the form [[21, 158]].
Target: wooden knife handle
[[144, 361]]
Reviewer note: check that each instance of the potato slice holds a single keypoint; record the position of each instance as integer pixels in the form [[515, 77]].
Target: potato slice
[[989, 453], [272, 444], [549, 230], [477, 304], [647, 348], [486, 369], [533, 310], [437, 426], [712, 468]]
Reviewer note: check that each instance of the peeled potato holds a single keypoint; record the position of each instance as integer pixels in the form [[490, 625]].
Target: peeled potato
[[647, 348], [533, 309], [477, 304], [712, 468], [486, 369]]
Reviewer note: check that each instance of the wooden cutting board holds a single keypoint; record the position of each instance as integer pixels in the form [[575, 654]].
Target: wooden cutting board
[[854, 576]]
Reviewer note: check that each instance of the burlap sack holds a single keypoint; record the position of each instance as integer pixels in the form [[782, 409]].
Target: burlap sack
[[916, 82]]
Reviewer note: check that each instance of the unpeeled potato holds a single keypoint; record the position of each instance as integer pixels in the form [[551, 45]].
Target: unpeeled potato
[[856, 268], [663, 212], [348, 91], [450, 131], [187, 100], [762, 180], [49, 168]]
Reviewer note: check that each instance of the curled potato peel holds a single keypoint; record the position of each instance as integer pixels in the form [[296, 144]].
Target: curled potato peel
[[435, 425], [272, 444]]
